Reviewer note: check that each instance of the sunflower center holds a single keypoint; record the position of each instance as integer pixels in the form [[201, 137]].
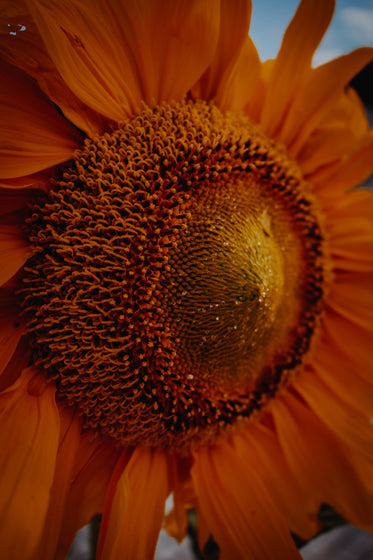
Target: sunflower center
[[177, 277], [225, 291]]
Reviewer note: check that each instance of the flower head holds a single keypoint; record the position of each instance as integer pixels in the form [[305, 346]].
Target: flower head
[[185, 280]]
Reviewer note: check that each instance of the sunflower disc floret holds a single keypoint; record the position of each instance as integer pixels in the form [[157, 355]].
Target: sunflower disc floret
[[177, 277]]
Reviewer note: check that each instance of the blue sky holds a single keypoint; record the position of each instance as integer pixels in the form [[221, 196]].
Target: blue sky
[[352, 27]]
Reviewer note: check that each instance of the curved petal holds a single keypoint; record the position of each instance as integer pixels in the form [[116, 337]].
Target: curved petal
[[350, 426], [240, 83], [351, 338], [351, 296], [300, 41], [11, 328], [255, 100], [14, 251], [15, 199], [17, 363], [315, 457], [176, 522], [68, 448], [167, 43], [350, 231], [114, 55], [236, 505], [318, 95], [336, 135], [336, 369], [77, 39], [137, 510], [259, 446], [351, 171], [34, 136], [93, 468], [22, 46], [37, 181], [234, 26], [29, 438]]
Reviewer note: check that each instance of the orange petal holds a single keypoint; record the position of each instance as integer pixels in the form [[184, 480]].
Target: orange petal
[[317, 460], [236, 505], [15, 199], [163, 37], [34, 135], [335, 135], [300, 41], [11, 329], [234, 50], [255, 101], [350, 426], [15, 366], [203, 533], [137, 509], [351, 296], [116, 474], [22, 46], [77, 39], [318, 95], [259, 447], [93, 468], [35, 181], [354, 340], [347, 414], [351, 171], [350, 231], [240, 83], [339, 368], [67, 450], [118, 54], [14, 251], [176, 521], [28, 439]]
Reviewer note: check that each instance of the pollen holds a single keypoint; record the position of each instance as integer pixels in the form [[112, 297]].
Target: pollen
[[177, 278]]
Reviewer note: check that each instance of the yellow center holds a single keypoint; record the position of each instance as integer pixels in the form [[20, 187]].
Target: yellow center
[[225, 290], [177, 278]]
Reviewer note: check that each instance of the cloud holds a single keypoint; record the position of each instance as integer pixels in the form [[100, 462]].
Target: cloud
[[358, 23], [324, 54], [352, 27]]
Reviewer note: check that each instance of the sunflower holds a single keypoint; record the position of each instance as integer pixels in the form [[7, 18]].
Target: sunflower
[[185, 280]]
